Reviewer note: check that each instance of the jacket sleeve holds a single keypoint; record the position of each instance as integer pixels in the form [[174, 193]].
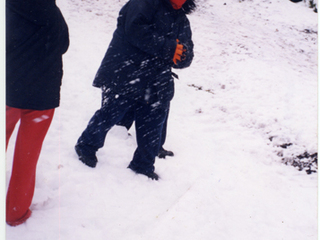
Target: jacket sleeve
[[141, 32], [185, 38]]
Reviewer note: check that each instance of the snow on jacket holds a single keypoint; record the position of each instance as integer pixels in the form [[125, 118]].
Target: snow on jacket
[[138, 61], [36, 37]]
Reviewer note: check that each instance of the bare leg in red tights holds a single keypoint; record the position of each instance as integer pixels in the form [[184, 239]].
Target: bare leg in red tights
[[32, 131]]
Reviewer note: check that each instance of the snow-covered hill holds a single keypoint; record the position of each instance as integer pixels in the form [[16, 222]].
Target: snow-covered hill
[[251, 89]]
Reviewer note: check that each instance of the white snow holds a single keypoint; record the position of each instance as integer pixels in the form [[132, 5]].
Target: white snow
[[254, 78]]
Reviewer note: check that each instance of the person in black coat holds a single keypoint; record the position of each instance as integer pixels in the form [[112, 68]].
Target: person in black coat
[[151, 37], [36, 38]]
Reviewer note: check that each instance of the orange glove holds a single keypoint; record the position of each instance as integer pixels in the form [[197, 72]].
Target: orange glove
[[178, 53]]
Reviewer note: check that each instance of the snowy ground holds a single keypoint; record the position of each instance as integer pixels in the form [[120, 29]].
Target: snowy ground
[[251, 88]]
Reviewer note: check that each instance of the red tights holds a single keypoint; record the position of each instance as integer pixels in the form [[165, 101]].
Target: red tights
[[32, 131]]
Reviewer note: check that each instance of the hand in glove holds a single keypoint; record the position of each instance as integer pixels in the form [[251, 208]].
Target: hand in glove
[[179, 53]]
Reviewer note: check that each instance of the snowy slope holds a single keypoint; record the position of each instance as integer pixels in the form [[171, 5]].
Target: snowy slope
[[251, 88]]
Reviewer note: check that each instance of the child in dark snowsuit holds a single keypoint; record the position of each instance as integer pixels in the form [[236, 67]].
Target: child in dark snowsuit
[[152, 36]]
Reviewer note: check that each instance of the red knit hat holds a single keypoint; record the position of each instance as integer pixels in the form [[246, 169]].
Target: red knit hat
[[177, 4]]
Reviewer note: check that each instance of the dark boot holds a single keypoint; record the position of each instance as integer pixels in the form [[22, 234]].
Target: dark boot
[[90, 161], [151, 175], [163, 153]]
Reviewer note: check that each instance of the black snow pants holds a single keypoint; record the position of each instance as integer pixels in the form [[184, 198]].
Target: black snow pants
[[128, 120], [149, 122]]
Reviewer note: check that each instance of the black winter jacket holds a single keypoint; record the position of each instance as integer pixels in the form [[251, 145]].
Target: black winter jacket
[[138, 61], [36, 38]]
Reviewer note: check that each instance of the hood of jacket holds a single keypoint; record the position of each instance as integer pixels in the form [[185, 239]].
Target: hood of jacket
[[188, 7]]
